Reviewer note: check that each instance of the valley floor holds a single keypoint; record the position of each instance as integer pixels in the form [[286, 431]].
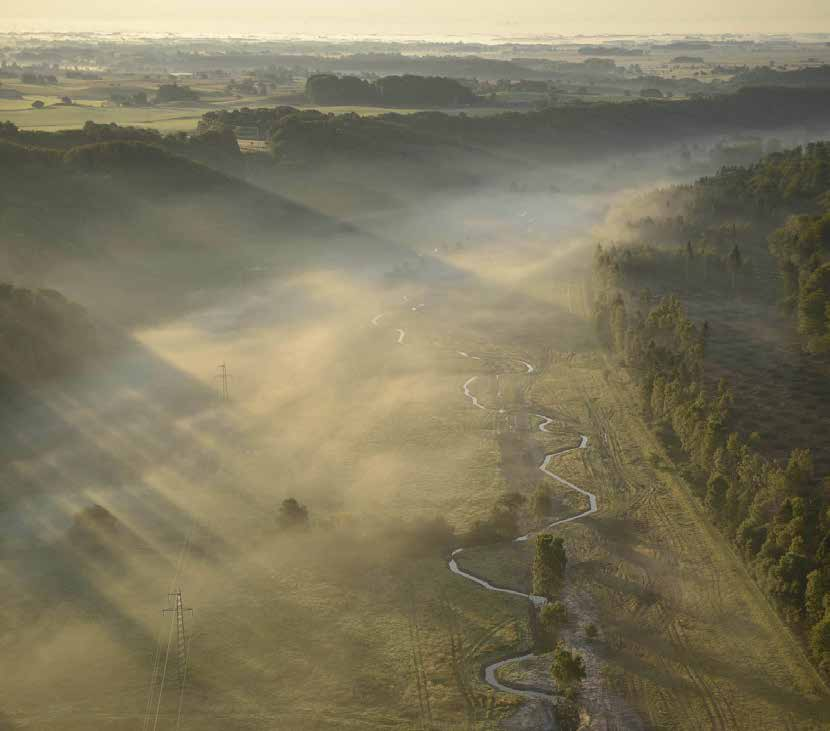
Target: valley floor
[[348, 626], [686, 640]]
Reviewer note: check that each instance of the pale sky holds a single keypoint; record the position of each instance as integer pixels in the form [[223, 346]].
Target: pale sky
[[436, 17]]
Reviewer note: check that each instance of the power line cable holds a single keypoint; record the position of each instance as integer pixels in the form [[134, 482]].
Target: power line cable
[[164, 673]]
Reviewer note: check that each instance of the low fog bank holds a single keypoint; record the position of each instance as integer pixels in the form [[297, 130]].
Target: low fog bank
[[109, 473], [135, 476], [119, 468], [540, 204]]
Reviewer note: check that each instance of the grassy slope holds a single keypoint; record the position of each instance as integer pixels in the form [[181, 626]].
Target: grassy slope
[[144, 240]]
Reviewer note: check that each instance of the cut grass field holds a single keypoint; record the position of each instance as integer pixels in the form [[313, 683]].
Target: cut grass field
[[55, 117]]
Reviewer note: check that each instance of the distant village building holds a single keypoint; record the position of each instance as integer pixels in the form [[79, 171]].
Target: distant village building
[[251, 139], [248, 133]]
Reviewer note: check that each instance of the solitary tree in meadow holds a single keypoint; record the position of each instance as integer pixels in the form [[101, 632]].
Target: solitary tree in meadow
[[568, 669], [293, 515]]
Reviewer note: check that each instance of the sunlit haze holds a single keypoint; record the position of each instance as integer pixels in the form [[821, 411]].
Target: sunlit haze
[[430, 366], [468, 18]]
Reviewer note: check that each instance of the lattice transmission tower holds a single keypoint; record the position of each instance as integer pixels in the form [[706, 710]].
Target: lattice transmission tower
[[223, 382], [181, 634]]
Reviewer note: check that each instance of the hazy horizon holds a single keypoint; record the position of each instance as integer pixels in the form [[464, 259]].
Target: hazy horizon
[[412, 367], [529, 18]]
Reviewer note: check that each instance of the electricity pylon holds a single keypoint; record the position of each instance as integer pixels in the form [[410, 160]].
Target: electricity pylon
[[223, 381], [181, 636]]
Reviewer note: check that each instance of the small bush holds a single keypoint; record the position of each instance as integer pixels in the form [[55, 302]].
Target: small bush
[[568, 669], [554, 615], [293, 516]]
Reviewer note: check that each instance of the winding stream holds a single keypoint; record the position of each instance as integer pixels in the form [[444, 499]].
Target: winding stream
[[490, 671]]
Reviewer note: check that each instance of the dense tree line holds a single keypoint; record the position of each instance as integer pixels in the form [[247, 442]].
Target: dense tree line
[[264, 119], [691, 265], [136, 159], [775, 212], [407, 90], [176, 93], [779, 183], [216, 146], [314, 136], [742, 201], [311, 136], [555, 132], [766, 76], [569, 130], [802, 247], [32, 77], [777, 515]]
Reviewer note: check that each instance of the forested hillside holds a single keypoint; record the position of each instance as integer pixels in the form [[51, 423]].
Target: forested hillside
[[43, 335], [135, 225], [765, 76], [214, 147], [739, 394], [737, 227], [566, 132], [407, 90]]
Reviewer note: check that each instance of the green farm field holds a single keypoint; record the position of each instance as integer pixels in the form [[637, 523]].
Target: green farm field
[[91, 101]]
